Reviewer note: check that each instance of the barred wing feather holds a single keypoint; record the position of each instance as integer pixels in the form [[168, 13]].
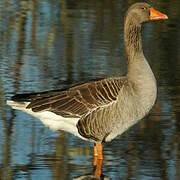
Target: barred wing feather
[[76, 101]]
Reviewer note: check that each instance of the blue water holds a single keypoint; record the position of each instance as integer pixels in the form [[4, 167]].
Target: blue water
[[48, 44]]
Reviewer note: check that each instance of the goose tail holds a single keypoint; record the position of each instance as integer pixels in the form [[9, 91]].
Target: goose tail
[[17, 105]]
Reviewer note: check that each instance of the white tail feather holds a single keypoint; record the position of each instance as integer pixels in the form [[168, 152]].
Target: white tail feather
[[17, 105], [53, 121]]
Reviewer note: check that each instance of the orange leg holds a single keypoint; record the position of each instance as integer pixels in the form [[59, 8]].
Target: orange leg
[[98, 150], [98, 159]]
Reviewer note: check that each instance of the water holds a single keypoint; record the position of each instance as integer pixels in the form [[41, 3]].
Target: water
[[49, 44]]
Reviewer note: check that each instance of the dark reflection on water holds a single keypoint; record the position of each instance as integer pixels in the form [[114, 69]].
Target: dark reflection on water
[[48, 44]]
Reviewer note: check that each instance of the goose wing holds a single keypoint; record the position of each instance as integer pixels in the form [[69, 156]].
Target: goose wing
[[75, 101]]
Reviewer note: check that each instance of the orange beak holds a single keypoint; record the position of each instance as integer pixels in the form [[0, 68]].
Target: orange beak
[[156, 15]]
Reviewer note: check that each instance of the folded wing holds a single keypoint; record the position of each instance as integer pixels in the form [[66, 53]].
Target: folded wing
[[75, 101]]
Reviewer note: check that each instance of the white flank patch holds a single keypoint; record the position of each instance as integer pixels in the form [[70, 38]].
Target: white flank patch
[[53, 121]]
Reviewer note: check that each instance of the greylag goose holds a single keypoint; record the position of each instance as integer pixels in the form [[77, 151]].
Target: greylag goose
[[100, 110]]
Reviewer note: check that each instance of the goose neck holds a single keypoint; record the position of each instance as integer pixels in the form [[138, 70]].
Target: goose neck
[[132, 39]]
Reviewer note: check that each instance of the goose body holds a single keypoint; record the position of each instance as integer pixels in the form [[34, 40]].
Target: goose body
[[100, 110]]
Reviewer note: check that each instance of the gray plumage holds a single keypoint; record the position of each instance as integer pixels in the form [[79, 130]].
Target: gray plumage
[[105, 108]]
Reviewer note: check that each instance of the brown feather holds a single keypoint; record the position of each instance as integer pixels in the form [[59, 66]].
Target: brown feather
[[78, 100]]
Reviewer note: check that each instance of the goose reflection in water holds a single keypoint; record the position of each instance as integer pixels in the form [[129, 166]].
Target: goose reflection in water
[[91, 177], [100, 110]]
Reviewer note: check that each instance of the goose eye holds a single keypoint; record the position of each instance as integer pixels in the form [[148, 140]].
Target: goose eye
[[142, 7]]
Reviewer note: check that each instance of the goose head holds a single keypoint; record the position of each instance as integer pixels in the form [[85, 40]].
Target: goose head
[[143, 12]]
